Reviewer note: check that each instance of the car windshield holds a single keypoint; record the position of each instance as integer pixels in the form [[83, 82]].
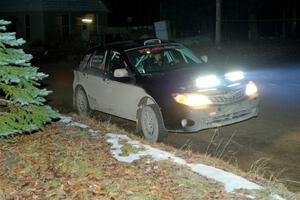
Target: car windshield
[[156, 59]]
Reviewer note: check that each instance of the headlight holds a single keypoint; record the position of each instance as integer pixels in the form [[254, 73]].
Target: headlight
[[251, 89], [194, 100], [235, 76], [207, 81]]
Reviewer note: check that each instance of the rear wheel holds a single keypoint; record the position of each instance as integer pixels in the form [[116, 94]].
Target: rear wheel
[[82, 103], [151, 124]]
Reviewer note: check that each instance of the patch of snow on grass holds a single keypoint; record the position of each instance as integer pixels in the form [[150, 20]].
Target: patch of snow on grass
[[276, 197], [230, 181], [65, 120], [68, 121], [250, 196], [156, 154], [92, 131]]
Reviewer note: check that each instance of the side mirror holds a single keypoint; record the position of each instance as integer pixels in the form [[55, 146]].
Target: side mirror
[[204, 58], [121, 73]]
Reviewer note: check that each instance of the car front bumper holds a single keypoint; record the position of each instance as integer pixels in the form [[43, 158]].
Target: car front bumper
[[214, 116]]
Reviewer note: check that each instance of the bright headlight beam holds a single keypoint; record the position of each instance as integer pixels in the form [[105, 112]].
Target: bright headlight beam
[[193, 100], [251, 89], [235, 76], [207, 81]]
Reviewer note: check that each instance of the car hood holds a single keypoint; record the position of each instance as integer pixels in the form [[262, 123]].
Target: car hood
[[181, 78], [162, 86]]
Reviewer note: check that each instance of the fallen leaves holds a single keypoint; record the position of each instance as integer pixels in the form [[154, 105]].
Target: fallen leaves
[[64, 162]]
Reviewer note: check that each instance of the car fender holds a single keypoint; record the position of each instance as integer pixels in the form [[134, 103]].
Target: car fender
[[146, 100]]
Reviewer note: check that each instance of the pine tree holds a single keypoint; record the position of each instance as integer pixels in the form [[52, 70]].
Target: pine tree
[[22, 100]]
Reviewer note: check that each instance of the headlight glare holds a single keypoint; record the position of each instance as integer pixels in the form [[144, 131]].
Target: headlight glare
[[251, 89], [235, 76], [207, 81], [193, 100]]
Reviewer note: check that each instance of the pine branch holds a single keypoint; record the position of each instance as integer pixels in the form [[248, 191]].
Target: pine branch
[[4, 102]]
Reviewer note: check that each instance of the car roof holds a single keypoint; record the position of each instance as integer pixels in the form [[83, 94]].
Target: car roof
[[132, 44]]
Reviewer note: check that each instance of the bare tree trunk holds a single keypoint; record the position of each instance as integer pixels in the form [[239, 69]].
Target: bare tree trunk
[[252, 33], [294, 25], [218, 22]]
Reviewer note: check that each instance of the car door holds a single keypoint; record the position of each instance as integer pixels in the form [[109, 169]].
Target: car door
[[95, 80], [123, 96]]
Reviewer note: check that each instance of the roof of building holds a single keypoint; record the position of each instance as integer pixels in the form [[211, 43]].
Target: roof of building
[[52, 5]]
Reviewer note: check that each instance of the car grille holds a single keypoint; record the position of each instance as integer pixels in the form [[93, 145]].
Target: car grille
[[228, 97], [231, 116]]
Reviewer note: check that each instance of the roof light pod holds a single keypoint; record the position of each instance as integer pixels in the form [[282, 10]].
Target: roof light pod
[[209, 81], [235, 76]]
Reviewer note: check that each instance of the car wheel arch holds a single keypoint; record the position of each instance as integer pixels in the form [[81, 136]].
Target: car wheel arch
[[147, 100], [79, 86]]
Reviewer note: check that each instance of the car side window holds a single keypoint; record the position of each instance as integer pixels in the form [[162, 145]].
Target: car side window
[[97, 61], [117, 61]]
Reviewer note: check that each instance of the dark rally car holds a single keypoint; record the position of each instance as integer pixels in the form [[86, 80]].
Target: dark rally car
[[163, 87]]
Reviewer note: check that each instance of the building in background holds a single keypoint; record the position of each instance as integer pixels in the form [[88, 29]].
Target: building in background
[[55, 21]]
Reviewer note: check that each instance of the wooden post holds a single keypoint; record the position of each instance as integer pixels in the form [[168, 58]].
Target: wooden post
[[218, 22], [283, 32], [294, 25]]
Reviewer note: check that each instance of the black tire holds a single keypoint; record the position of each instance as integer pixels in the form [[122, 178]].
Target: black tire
[[82, 103], [151, 124]]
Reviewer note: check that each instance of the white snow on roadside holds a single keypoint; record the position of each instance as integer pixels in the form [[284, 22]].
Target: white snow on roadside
[[156, 154], [250, 196], [65, 120], [231, 181], [68, 121], [92, 131], [276, 197]]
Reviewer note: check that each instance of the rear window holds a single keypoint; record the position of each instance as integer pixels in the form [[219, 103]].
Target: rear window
[[84, 62], [98, 60]]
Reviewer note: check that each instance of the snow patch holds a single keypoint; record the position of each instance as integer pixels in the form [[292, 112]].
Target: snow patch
[[156, 154], [230, 181], [92, 131], [250, 196], [69, 121], [276, 197]]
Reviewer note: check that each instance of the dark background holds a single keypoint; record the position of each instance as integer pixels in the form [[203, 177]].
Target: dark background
[[277, 18]]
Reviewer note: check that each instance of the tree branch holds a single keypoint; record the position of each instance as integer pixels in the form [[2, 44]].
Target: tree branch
[[4, 102]]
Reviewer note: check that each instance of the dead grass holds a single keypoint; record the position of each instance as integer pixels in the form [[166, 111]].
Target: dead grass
[[63, 162], [129, 149], [218, 154]]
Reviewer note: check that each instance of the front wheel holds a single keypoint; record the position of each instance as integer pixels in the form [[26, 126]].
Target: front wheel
[[152, 124]]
